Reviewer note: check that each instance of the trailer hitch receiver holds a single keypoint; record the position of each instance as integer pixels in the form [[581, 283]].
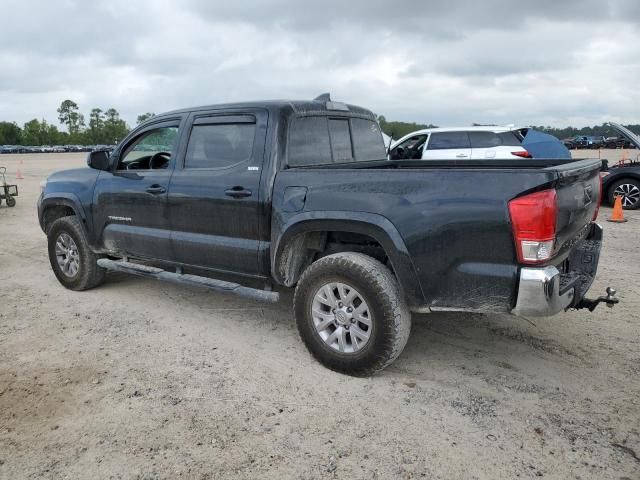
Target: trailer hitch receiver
[[610, 299]]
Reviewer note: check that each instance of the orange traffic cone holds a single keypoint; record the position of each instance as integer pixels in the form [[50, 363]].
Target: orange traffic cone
[[617, 215], [19, 175]]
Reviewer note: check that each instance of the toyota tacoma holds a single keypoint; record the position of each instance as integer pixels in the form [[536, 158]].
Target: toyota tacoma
[[300, 194]]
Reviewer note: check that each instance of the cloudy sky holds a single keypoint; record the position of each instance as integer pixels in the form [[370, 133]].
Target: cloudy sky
[[448, 62]]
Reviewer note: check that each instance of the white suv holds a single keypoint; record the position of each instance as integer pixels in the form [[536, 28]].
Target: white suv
[[460, 143]]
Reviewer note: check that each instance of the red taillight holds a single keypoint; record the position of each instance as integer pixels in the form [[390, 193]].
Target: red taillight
[[523, 154], [533, 219], [595, 214]]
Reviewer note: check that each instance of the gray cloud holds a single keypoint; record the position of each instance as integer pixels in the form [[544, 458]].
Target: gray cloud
[[451, 62]]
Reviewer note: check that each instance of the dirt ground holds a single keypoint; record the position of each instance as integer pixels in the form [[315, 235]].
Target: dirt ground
[[141, 379]]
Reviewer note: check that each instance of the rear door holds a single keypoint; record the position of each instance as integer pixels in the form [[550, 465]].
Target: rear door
[[130, 201], [447, 145], [214, 196], [484, 145]]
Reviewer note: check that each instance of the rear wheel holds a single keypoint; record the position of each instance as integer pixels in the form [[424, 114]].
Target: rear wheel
[[350, 313], [11, 202], [71, 258], [629, 190]]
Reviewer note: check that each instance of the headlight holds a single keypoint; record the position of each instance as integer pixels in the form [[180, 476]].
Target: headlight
[[43, 185]]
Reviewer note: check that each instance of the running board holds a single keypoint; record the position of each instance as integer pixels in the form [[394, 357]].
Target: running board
[[190, 280]]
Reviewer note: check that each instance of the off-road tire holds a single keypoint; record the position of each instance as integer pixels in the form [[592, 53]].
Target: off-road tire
[[89, 274], [391, 318], [11, 202]]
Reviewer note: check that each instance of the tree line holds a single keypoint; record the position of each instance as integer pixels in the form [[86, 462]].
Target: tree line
[[105, 127], [100, 127], [400, 129]]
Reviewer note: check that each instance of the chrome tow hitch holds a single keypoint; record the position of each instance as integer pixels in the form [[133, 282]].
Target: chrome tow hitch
[[610, 299]]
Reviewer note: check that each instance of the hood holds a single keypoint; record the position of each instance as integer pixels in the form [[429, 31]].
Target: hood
[[633, 138]]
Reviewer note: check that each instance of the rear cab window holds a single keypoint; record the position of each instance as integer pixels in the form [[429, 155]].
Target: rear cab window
[[324, 140]]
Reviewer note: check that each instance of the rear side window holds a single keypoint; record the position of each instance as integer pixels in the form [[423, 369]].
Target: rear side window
[[367, 140], [340, 140], [219, 145], [448, 140], [510, 139], [484, 140]]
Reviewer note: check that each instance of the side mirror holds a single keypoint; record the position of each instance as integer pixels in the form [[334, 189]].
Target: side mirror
[[99, 159]]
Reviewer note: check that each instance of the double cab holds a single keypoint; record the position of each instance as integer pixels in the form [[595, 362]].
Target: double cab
[[253, 198]]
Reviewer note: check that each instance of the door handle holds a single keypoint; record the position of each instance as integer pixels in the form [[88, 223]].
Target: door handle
[[156, 189], [461, 155], [237, 192]]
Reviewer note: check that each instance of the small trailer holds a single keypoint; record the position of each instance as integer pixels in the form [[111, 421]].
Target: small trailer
[[7, 192]]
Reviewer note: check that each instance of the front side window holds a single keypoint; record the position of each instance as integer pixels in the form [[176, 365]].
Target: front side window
[[410, 149], [150, 151], [448, 140], [220, 145]]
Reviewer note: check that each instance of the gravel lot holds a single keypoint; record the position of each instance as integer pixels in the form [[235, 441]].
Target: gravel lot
[[140, 379]]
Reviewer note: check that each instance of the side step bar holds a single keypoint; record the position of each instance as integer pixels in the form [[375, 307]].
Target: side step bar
[[191, 280]]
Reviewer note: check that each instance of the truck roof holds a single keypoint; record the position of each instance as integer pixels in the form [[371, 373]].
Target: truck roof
[[284, 106]]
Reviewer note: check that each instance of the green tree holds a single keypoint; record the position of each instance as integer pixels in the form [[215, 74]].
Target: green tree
[[37, 132], [10, 133], [144, 117], [96, 133], [397, 130], [115, 128], [69, 116]]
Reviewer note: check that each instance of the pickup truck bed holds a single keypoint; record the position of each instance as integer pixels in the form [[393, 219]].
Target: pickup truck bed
[[301, 194], [458, 250]]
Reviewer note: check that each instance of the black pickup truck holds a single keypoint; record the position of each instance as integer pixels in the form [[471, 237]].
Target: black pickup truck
[[301, 194]]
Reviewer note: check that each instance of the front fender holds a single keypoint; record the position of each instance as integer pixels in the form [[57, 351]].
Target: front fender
[[376, 226], [61, 199], [69, 200]]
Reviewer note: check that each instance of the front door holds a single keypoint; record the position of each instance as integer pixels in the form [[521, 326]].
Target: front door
[[130, 201], [214, 194]]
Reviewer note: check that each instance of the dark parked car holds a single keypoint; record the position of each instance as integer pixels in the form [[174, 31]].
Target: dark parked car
[[623, 179], [587, 141], [618, 142], [301, 194]]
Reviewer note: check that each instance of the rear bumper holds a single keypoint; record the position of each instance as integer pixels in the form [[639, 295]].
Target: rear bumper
[[545, 291]]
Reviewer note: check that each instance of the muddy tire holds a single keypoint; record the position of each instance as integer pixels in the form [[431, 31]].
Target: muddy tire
[[351, 314], [71, 258]]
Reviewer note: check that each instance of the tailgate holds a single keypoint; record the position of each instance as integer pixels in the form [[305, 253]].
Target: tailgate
[[578, 196]]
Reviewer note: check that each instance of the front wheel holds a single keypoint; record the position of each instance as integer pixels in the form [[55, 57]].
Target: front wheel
[[351, 314], [71, 258]]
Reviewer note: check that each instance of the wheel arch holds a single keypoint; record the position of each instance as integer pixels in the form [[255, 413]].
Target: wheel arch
[[61, 206], [305, 235]]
